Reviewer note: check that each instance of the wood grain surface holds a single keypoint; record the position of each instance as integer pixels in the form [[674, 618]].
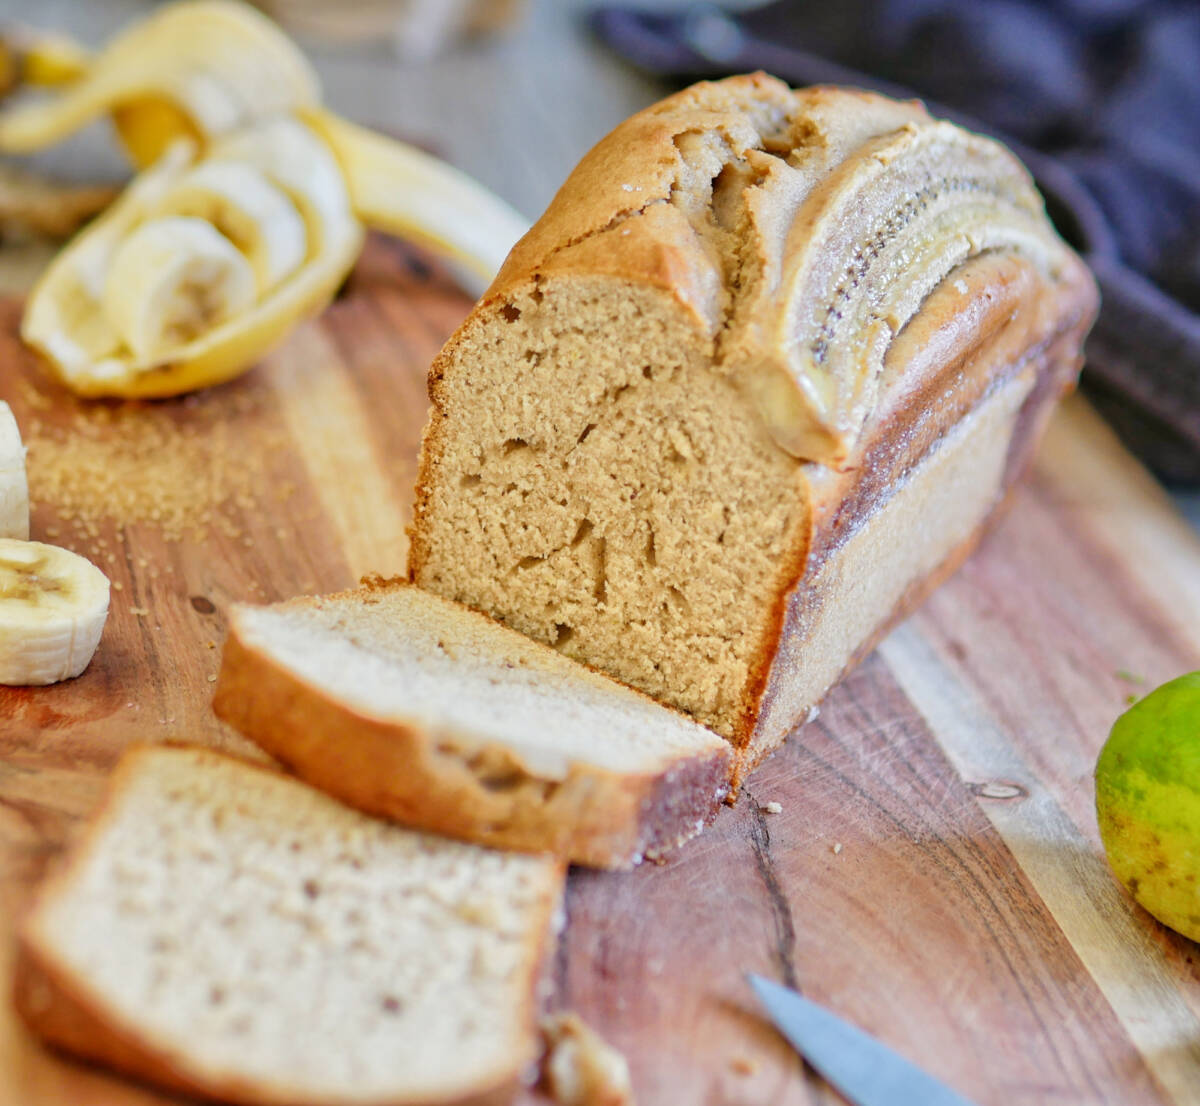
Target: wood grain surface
[[935, 874]]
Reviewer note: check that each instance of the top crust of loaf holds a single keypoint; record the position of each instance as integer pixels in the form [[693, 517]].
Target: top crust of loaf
[[734, 197], [640, 165]]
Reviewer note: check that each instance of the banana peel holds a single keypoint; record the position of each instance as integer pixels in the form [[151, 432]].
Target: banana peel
[[403, 191], [40, 58], [197, 69], [78, 318], [212, 77]]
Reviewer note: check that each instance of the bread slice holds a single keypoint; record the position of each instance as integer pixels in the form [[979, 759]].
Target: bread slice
[[751, 385], [410, 706], [228, 932]]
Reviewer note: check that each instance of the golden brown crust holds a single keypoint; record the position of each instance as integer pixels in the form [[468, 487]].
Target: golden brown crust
[[632, 172], [624, 215], [59, 1009], [593, 817]]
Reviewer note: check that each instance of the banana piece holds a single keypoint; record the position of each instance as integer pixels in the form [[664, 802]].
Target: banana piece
[[14, 488], [250, 211], [199, 69], [126, 311], [64, 318], [174, 278], [401, 190], [292, 156], [53, 606]]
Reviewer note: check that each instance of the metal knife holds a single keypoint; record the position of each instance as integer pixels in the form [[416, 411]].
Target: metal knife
[[867, 1072]]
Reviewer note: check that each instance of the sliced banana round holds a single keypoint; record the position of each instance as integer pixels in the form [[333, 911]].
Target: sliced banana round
[[53, 605], [14, 488], [173, 279], [296, 160], [254, 214]]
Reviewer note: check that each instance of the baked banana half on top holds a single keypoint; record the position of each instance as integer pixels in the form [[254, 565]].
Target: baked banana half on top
[[750, 387]]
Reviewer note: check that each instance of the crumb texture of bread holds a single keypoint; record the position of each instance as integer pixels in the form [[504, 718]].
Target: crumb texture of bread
[[266, 944], [416, 708], [631, 518], [747, 317], [400, 653]]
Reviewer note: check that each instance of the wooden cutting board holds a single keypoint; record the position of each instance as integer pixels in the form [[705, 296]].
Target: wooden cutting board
[[935, 874]]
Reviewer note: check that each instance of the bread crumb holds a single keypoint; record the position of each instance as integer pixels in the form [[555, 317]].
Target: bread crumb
[[743, 1065], [117, 585], [580, 1068], [772, 808], [837, 848], [141, 612], [960, 286], [212, 679]]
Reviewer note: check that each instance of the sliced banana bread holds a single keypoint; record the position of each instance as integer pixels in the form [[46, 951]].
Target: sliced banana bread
[[413, 707], [746, 392], [231, 933]]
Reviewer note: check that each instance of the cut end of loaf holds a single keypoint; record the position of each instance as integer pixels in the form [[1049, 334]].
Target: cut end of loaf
[[415, 708], [229, 932], [591, 482]]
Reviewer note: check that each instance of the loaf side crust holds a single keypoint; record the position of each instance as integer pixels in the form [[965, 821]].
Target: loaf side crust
[[62, 1011], [593, 817], [1053, 369]]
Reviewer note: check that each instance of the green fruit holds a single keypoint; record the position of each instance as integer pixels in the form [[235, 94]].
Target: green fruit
[[1148, 802]]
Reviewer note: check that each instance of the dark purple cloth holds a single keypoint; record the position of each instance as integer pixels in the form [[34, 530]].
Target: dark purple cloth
[[1101, 98]]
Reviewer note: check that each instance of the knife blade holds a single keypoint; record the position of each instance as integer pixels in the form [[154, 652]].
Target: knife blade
[[866, 1071]]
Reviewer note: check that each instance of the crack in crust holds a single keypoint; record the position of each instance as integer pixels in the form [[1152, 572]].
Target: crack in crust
[[816, 223]]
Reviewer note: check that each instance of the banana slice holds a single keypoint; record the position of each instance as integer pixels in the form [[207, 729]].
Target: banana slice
[[14, 488], [290, 155], [197, 69], [53, 605], [872, 238], [172, 280], [250, 211]]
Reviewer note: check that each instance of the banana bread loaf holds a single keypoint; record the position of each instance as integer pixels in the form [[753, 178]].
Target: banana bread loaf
[[746, 392]]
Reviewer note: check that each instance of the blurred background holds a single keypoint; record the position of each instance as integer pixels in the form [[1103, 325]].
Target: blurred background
[[1101, 98]]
